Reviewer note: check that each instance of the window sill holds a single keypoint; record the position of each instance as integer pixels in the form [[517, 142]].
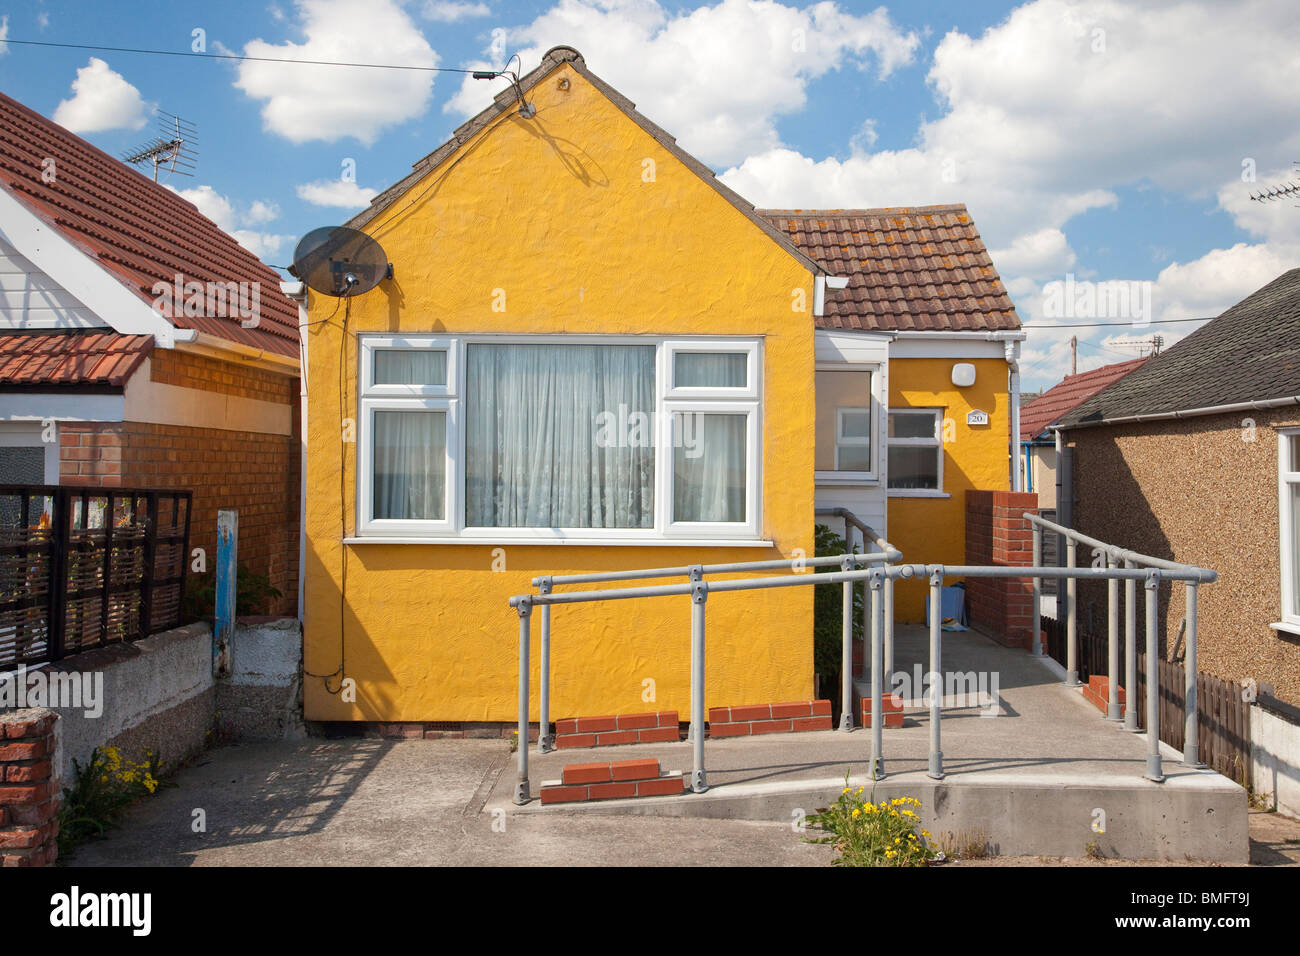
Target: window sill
[[1292, 629], [566, 542], [845, 478], [917, 493]]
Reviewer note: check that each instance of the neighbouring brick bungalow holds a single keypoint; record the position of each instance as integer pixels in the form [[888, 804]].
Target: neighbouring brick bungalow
[[103, 383], [1195, 457]]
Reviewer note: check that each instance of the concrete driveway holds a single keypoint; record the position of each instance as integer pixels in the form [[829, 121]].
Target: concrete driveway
[[363, 802]]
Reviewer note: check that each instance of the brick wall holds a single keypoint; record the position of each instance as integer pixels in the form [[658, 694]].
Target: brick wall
[[29, 789], [255, 473], [998, 534]]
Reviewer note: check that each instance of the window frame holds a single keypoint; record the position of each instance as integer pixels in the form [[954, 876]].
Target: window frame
[[1290, 619], [936, 442], [879, 420], [668, 400], [847, 441]]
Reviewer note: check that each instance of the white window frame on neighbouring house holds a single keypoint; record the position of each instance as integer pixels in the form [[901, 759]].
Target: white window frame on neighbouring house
[[935, 442], [669, 401], [1286, 480]]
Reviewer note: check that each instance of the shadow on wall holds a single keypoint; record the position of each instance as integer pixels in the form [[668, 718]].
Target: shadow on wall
[[1111, 505]]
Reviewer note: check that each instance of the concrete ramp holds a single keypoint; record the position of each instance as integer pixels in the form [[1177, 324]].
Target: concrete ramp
[[1039, 773]]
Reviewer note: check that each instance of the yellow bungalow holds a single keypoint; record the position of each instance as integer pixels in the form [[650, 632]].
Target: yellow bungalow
[[592, 356]]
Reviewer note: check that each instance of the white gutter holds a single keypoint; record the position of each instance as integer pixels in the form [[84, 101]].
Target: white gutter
[[1187, 413], [1001, 335], [297, 291], [820, 285], [191, 340]]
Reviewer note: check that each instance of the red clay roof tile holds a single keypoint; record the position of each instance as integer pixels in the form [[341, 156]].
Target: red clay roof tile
[[923, 268], [71, 358]]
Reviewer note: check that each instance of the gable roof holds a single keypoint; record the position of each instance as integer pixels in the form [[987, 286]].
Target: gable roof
[[1071, 392], [81, 357], [506, 100], [1251, 353], [921, 268], [134, 229]]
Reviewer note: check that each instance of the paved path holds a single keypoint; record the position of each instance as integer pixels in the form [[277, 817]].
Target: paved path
[[400, 803]]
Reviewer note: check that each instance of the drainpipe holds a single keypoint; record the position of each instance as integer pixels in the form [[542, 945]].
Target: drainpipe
[[1012, 350], [298, 292]]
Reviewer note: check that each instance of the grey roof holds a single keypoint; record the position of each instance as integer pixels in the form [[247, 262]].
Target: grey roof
[[1251, 353], [506, 99]]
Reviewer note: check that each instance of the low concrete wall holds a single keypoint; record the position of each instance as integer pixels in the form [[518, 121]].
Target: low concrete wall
[[1275, 754], [154, 694], [261, 699]]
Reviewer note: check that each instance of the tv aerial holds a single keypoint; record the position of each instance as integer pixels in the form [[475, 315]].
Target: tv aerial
[[175, 147], [340, 261]]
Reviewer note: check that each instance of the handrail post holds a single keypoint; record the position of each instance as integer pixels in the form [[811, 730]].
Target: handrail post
[[699, 595], [1130, 650], [1153, 679], [545, 739], [936, 672], [1112, 642], [1035, 619], [877, 704], [522, 794], [1191, 715], [1072, 637], [889, 627], [696, 574], [846, 650]]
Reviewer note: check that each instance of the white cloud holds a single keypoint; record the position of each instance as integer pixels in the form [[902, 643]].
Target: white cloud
[[4, 32], [453, 12], [718, 77], [260, 212], [233, 221], [329, 103], [101, 100], [336, 192], [1036, 255]]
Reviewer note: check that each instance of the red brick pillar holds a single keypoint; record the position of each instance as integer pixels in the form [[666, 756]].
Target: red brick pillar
[[29, 789], [998, 534]]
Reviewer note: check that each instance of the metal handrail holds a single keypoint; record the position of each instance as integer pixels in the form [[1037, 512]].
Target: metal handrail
[[699, 589], [1191, 575], [887, 553]]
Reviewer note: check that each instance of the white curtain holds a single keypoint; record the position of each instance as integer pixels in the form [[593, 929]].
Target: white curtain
[[709, 369], [410, 465], [532, 417], [709, 462], [410, 367]]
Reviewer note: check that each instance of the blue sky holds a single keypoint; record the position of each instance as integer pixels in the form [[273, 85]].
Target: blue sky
[[1109, 140]]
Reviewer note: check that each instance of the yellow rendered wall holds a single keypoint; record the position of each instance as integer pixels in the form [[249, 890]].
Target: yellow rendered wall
[[586, 225], [933, 530]]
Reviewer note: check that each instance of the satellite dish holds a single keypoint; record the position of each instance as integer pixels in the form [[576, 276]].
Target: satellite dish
[[340, 261]]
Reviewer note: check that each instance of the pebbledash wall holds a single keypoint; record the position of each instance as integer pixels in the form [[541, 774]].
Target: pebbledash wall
[[1204, 491], [429, 635], [247, 457]]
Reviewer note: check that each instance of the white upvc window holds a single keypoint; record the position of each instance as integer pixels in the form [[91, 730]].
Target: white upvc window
[[848, 417], [915, 451], [1288, 483], [537, 438]]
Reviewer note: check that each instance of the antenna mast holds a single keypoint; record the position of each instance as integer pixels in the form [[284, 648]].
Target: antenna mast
[[175, 147]]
